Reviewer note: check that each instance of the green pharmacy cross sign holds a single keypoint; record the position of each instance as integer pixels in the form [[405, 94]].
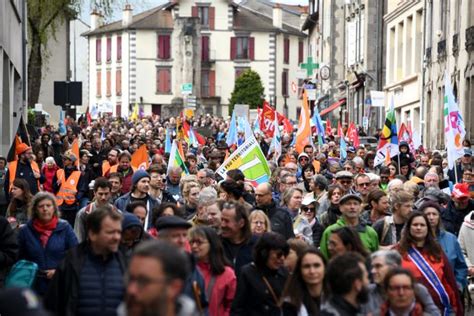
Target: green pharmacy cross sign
[[309, 66]]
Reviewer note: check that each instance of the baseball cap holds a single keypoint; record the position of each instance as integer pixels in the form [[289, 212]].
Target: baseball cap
[[467, 152], [461, 190], [69, 155]]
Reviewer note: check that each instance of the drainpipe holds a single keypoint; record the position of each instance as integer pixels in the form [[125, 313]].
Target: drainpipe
[[423, 64]]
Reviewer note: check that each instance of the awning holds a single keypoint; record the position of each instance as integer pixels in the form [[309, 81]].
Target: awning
[[332, 107]]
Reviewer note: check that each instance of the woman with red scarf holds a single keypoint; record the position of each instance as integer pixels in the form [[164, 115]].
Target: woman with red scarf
[[45, 239]]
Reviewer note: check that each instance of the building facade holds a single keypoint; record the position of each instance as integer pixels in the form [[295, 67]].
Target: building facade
[[13, 70], [449, 49], [404, 59], [146, 58]]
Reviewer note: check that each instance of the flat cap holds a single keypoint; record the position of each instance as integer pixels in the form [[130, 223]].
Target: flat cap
[[349, 197], [166, 222], [344, 174]]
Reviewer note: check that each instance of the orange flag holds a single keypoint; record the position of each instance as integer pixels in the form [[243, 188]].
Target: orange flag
[[75, 151], [140, 158], [303, 135]]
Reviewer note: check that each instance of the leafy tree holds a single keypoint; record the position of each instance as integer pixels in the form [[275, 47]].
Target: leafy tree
[[248, 89], [44, 18]]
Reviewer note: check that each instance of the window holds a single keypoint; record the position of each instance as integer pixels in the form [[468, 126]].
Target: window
[[164, 48], [98, 50], [205, 48], [163, 80], [119, 48], [118, 82], [242, 48], [109, 49], [284, 83], [300, 52], [118, 110], [206, 14], [286, 50], [108, 83], [205, 83], [443, 17], [99, 83]]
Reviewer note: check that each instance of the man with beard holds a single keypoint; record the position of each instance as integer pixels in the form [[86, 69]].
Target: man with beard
[[139, 192], [154, 282], [112, 160], [157, 184], [348, 281], [125, 169], [26, 168], [89, 281]]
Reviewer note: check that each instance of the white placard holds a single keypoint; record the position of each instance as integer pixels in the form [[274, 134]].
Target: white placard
[[378, 98]]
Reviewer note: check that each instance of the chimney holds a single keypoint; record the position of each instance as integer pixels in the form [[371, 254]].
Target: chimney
[[303, 16], [127, 16], [96, 19], [277, 16]]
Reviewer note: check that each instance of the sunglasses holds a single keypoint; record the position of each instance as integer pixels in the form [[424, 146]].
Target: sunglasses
[[308, 209]]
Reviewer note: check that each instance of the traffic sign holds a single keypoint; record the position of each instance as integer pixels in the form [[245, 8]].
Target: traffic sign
[[191, 101], [187, 88]]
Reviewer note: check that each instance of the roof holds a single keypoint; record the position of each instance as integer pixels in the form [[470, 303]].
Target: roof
[[156, 18], [257, 15], [250, 15]]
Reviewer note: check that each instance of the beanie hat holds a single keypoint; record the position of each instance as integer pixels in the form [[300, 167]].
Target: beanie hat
[[138, 175], [130, 220], [21, 148]]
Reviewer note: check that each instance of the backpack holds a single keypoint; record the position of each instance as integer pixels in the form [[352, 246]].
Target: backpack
[[22, 274]]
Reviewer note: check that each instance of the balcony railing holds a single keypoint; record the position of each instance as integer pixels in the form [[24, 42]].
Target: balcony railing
[[455, 44], [442, 48], [470, 39], [210, 58]]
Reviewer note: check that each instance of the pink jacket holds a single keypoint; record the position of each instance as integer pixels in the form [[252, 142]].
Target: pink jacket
[[223, 291]]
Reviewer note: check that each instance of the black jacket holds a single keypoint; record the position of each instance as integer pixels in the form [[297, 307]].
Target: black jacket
[[253, 297], [280, 220], [240, 255], [453, 218], [63, 292], [8, 248]]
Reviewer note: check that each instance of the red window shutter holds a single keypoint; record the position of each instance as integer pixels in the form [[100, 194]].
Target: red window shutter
[[167, 80], [167, 39], [119, 48], [205, 48], [99, 83], [118, 110], [233, 47], [212, 83], [252, 48], [98, 50], [108, 83], [212, 17], [300, 52], [109, 48], [118, 82], [284, 83], [157, 80], [161, 48], [195, 12], [286, 49]]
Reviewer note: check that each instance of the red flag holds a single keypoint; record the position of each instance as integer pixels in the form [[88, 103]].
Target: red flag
[[201, 140], [353, 135], [340, 132], [328, 128], [287, 126], [88, 117], [267, 119]]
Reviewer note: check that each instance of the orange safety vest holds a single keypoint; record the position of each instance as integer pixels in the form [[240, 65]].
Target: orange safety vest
[[68, 190], [12, 168]]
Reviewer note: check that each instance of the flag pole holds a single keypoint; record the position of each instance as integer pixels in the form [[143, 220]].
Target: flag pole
[[399, 169], [455, 173]]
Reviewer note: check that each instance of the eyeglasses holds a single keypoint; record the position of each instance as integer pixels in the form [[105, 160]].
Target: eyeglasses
[[142, 281], [228, 205], [308, 209], [290, 183], [346, 182]]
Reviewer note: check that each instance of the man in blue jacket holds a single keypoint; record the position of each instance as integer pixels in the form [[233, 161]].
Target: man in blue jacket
[[139, 192], [90, 279]]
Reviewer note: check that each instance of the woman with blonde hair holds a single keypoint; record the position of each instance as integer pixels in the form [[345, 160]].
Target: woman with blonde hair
[[190, 192], [259, 222]]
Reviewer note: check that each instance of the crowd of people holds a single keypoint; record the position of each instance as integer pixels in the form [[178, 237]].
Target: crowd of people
[[325, 236]]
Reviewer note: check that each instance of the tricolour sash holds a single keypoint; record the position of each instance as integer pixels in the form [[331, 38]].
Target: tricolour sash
[[431, 277]]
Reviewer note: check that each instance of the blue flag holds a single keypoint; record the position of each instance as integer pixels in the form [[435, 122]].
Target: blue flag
[[61, 125], [232, 137], [343, 148], [319, 125], [168, 141]]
